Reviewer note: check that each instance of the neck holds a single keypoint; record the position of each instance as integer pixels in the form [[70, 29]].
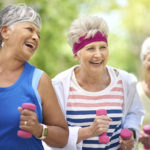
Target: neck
[[8, 62], [92, 82], [89, 77]]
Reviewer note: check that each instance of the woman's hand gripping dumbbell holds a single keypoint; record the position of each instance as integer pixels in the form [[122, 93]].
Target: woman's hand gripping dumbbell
[[127, 136], [103, 138], [23, 133], [146, 130]]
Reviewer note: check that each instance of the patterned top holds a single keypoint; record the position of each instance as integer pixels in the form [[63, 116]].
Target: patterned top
[[82, 106]]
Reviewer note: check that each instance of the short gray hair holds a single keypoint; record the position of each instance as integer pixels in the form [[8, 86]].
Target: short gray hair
[[89, 25], [145, 49], [20, 13]]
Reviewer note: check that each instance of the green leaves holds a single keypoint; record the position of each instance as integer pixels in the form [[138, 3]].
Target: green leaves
[[125, 38]]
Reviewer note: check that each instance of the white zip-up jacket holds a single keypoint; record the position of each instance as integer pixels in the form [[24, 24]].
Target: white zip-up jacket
[[132, 108]]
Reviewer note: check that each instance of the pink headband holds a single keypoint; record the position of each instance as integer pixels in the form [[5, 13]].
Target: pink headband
[[82, 41]]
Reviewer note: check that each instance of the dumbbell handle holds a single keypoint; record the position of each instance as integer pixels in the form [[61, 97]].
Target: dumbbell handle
[[104, 138], [146, 129], [22, 133], [125, 134]]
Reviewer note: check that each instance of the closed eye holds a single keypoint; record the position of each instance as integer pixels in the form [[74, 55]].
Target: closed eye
[[103, 47], [30, 29], [90, 48]]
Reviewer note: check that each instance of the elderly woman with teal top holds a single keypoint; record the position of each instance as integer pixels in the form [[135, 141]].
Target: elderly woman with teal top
[[22, 83], [92, 85], [143, 88]]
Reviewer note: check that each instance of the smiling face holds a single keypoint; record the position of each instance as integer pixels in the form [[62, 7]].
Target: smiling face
[[93, 57], [22, 39]]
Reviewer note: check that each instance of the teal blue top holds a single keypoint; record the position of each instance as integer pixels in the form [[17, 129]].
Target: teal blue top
[[24, 90]]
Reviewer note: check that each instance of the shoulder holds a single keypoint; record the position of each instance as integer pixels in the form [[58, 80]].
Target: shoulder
[[41, 77], [63, 75], [126, 76], [45, 86], [45, 78]]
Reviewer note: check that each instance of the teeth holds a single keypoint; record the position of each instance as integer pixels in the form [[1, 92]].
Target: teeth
[[30, 44], [97, 62]]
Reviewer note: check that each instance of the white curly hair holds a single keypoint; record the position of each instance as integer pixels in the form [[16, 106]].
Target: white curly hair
[[89, 25], [145, 49]]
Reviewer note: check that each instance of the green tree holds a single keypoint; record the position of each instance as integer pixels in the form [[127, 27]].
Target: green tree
[[125, 39], [136, 19], [53, 54]]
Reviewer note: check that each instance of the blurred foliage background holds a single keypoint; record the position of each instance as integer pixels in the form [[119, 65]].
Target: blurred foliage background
[[128, 21]]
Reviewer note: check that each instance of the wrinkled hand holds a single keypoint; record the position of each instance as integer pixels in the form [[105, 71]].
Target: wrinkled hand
[[29, 122], [100, 125], [144, 138], [127, 144]]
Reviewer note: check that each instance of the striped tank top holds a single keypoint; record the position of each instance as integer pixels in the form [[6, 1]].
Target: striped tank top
[[82, 106]]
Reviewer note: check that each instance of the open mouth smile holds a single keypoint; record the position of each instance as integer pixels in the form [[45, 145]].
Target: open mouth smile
[[30, 45]]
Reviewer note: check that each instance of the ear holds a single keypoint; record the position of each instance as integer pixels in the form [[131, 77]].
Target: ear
[[5, 32], [75, 56]]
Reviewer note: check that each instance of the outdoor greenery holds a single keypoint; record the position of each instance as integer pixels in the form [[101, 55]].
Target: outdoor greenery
[[128, 21]]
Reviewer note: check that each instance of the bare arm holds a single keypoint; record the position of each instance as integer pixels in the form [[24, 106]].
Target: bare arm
[[52, 114]]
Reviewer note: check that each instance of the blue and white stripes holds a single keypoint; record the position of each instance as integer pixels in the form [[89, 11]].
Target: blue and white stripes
[[82, 106]]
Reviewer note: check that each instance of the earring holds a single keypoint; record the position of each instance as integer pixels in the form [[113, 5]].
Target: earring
[[2, 44]]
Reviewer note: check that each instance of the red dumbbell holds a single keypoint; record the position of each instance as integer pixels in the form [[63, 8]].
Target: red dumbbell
[[125, 134], [22, 133], [103, 138], [146, 129]]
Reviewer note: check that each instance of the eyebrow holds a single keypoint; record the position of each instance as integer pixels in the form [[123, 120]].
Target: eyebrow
[[32, 26]]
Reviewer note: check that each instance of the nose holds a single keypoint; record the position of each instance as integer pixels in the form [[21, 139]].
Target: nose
[[35, 37], [97, 53]]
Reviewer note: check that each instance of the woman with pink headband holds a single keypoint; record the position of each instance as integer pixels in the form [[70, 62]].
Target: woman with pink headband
[[92, 85]]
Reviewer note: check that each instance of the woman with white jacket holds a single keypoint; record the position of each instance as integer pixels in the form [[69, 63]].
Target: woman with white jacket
[[93, 85]]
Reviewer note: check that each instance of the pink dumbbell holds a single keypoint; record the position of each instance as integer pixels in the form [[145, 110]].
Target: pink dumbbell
[[103, 138], [125, 134], [146, 129], [22, 133]]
